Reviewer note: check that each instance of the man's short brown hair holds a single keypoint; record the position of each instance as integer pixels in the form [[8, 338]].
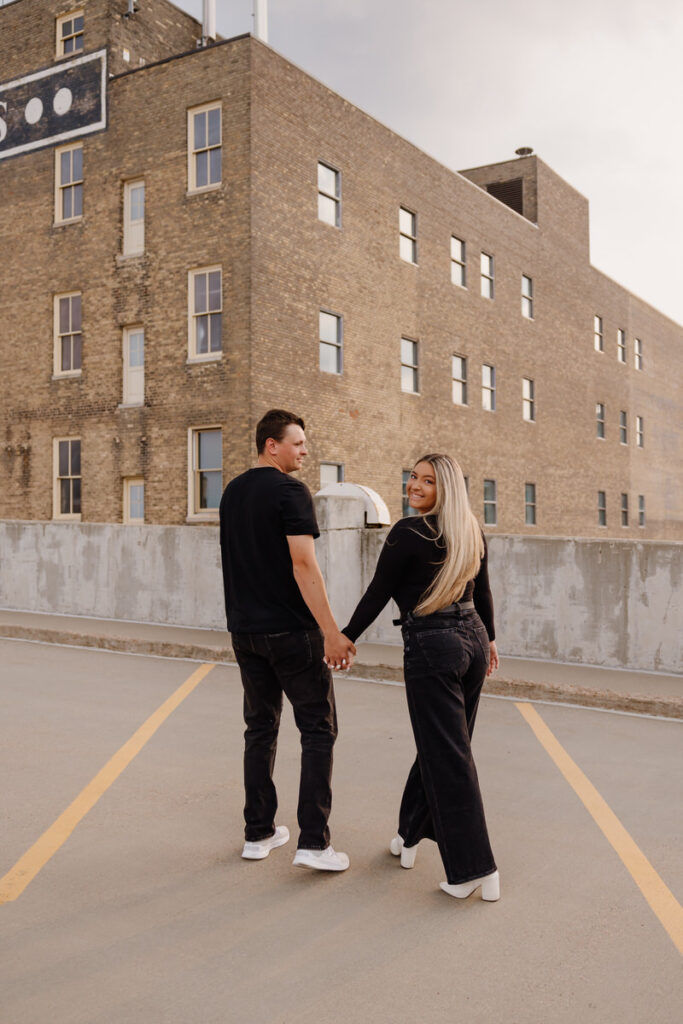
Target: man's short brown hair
[[274, 424]]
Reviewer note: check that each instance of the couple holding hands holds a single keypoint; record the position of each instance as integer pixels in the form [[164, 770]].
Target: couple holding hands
[[285, 639]]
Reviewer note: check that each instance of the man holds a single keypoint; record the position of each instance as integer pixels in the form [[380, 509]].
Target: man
[[284, 637]]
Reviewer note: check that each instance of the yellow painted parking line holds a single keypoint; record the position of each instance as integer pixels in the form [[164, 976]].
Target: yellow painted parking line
[[661, 899], [28, 866]]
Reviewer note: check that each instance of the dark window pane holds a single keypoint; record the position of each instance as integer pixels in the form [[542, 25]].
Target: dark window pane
[[69, 44], [215, 127], [63, 458], [216, 319], [78, 43], [210, 454], [67, 205], [67, 28], [75, 312], [65, 496], [77, 201], [75, 458], [490, 514], [76, 352], [64, 321], [530, 515], [66, 353], [200, 293], [215, 165], [76, 494], [78, 23], [77, 164], [202, 169], [202, 334], [199, 131], [215, 290], [209, 490], [65, 167]]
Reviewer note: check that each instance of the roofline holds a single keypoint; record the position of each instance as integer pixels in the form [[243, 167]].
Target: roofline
[[179, 56]]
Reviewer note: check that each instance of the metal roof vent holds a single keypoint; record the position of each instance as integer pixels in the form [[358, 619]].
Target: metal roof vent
[[524, 151]]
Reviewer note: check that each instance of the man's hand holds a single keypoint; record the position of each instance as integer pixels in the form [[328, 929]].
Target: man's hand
[[339, 651], [493, 660]]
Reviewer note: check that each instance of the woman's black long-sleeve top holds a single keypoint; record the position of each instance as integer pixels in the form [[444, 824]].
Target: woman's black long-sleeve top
[[407, 565]]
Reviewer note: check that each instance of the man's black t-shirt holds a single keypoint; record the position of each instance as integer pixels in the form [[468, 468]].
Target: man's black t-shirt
[[259, 510]]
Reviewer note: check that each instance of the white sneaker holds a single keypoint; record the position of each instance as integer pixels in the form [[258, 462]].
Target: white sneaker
[[261, 849], [322, 860]]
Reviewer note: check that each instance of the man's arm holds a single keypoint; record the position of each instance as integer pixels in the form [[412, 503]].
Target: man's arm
[[339, 651]]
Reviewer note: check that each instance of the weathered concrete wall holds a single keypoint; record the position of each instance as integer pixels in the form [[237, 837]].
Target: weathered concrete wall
[[612, 603]]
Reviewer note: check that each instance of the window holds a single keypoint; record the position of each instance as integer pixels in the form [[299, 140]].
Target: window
[[409, 366], [67, 478], [640, 432], [488, 387], [459, 373], [133, 366], [133, 500], [641, 510], [527, 297], [70, 34], [530, 504], [406, 510], [68, 340], [487, 275], [621, 345], [458, 262], [490, 502], [206, 471], [329, 195], [133, 218], [598, 339], [331, 473], [204, 148], [600, 419], [623, 427], [624, 510], [638, 352], [206, 304], [407, 226], [528, 400], [602, 508], [331, 342], [68, 183]]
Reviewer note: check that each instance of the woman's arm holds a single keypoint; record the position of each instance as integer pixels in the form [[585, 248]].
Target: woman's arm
[[483, 600], [390, 568]]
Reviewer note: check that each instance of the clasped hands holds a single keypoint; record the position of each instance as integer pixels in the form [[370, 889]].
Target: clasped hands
[[339, 651]]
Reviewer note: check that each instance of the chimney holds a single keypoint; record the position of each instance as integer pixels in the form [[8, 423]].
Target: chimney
[[209, 21], [261, 20]]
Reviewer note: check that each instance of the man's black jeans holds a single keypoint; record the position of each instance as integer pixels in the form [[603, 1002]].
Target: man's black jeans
[[270, 664], [445, 661]]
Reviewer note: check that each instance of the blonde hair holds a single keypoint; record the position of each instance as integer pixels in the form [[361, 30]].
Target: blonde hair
[[457, 525]]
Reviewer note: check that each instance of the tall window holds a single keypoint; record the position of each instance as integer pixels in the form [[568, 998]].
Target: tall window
[[490, 507], [407, 241], [329, 195], [331, 473], [527, 297], [206, 470], [600, 419], [640, 432], [638, 353], [331, 342], [602, 508], [623, 427], [410, 380], [488, 387], [641, 510], [624, 510], [68, 340], [487, 275], [459, 372], [458, 262], [206, 316], [67, 478], [528, 399], [621, 345], [530, 504], [70, 35], [68, 183], [133, 218], [133, 366], [406, 510], [133, 500], [204, 147], [598, 338]]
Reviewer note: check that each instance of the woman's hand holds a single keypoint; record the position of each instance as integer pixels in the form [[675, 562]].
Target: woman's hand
[[493, 659]]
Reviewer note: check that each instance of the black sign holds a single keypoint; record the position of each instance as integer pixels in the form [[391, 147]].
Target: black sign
[[54, 105]]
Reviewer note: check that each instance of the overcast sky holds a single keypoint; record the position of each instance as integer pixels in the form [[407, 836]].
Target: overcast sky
[[595, 86]]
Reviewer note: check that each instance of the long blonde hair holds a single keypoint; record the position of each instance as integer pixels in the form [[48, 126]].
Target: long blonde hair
[[457, 525]]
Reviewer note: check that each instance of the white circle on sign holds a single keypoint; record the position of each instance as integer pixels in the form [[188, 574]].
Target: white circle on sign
[[62, 102], [34, 110]]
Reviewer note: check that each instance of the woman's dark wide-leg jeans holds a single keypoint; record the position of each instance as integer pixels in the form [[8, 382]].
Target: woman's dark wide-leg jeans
[[445, 662]]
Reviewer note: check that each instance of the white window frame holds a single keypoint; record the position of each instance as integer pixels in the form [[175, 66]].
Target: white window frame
[[128, 483], [640, 432], [623, 427], [335, 197], [638, 353], [60, 187], [131, 374], [600, 420], [624, 510], [192, 187], [598, 333], [529, 505], [338, 466], [459, 262], [57, 370], [487, 275], [133, 230], [459, 383], [415, 367], [527, 297], [602, 508], [194, 513], [488, 387], [73, 517], [59, 44], [410, 237], [193, 356], [528, 400], [491, 503], [338, 345], [621, 345]]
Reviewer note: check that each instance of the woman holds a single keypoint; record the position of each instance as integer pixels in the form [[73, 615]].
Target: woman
[[434, 565]]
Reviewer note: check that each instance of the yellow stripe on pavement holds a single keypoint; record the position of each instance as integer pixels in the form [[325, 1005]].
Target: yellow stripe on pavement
[[28, 866], [661, 899]]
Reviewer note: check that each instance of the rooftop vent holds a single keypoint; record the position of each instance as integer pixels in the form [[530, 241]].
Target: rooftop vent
[[509, 192], [524, 151]]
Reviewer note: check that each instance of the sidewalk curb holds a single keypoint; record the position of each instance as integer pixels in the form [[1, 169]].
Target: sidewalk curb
[[666, 707]]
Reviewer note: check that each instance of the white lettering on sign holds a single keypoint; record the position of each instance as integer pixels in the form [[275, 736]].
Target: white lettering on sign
[[3, 123], [33, 110]]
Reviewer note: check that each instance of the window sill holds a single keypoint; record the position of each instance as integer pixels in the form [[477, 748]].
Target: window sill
[[203, 191], [67, 375], [76, 518], [215, 357], [202, 517], [130, 405], [125, 257], [66, 223], [418, 394]]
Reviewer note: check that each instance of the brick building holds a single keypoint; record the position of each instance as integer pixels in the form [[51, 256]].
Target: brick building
[[191, 235]]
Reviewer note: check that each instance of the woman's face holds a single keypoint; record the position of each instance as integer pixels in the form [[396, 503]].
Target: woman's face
[[421, 488]]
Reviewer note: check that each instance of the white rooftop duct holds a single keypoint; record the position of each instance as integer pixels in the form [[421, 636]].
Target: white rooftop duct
[[261, 20], [209, 20]]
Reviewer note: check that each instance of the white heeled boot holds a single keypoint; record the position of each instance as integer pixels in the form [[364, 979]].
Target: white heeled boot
[[490, 887], [406, 853]]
